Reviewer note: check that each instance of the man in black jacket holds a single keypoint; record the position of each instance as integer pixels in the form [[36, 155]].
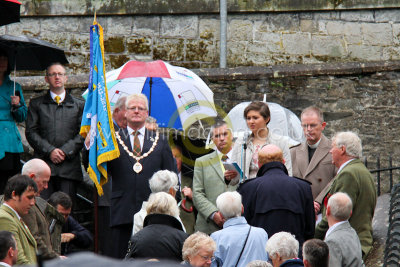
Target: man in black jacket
[[277, 202], [73, 234], [52, 129]]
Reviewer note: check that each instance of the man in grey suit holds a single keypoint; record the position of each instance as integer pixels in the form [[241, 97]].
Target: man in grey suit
[[210, 180], [342, 239], [311, 160]]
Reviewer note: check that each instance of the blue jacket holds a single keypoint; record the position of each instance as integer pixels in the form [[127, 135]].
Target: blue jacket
[[10, 138], [230, 241]]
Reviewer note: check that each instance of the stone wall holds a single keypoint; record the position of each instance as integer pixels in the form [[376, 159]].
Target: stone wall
[[254, 38]]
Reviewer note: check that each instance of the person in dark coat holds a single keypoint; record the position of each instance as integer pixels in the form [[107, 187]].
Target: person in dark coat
[[277, 202], [282, 249], [73, 234], [162, 236]]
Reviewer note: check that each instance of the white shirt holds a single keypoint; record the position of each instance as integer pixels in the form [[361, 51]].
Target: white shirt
[[333, 227], [344, 165], [140, 136], [53, 95]]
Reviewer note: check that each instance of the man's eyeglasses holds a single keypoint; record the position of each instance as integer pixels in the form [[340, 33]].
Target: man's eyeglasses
[[136, 108], [311, 126], [56, 74]]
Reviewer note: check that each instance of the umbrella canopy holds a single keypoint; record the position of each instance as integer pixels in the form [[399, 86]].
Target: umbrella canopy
[[9, 11], [283, 122], [177, 96], [28, 53]]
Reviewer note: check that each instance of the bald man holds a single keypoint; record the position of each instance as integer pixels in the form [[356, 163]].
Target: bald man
[[277, 202], [40, 172]]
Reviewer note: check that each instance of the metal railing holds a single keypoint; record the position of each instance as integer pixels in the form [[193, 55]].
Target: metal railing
[[380, 173]]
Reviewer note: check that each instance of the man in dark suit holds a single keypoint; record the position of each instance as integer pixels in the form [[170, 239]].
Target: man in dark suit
[[354, 179], [311, 160], [143, 153], [277, 202], [342, 239]]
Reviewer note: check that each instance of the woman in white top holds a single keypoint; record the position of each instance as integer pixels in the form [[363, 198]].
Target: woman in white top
[[245, 151]]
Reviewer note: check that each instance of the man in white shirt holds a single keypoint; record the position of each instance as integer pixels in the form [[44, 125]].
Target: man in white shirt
[[8, 249]]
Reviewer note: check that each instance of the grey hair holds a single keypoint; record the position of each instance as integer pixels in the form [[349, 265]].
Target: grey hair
[[230, 204], [142, 97], [340, 205], [315, 110], [162, 181], [35, 166], [120, 104], [258, 263], [162, 203], [350, 141], [283, 244], [195, 242]]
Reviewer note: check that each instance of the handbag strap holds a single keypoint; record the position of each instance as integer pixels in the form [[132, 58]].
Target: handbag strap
[[245, 242]]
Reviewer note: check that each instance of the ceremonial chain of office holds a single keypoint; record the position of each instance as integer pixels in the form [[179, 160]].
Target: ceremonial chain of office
[[137, 167]]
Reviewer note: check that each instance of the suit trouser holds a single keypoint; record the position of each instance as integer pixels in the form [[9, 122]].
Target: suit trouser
[[120, 236]]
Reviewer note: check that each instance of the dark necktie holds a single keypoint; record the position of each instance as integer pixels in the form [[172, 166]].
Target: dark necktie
[[136, 144]]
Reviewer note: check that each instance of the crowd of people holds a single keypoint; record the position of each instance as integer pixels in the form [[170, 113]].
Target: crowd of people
[[307, 205]]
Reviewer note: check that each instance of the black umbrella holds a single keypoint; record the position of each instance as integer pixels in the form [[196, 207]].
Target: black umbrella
[[9, 11], [26, 53]]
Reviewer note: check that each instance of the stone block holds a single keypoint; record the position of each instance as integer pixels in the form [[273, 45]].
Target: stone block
[[27, 26], [240, 30], [119, 25], [114, 44], [139, 45], [358, 15], [146, 25], [386, 15], [200, 50], [328, 46], [182, 26], [284, 21], [169, 49], [271, 40], [209, 29], [297, 43], [308, 25], [63, 24], [364, 52], [377, 33]]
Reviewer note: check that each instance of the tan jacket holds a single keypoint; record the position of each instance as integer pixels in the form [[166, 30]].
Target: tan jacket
[[319, 172]]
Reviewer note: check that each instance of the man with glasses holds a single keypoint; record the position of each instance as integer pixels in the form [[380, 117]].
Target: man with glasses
[[143, 152], [52, 129], [311, 160]]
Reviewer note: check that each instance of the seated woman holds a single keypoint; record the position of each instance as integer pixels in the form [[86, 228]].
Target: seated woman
[[245, 152], [198, 250], [162, 235], [283, 249]]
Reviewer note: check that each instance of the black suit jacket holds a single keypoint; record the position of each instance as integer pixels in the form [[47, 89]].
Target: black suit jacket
[[277, 202], [130, 189]]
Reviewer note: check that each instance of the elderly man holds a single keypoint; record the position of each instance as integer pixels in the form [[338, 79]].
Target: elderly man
[[283, 249], [276, 201], [210, 180], [36, 220], [238, 243], [354, 179], [8, 249], [143, 153], [52, 129], [342, 239], [316, 253], [162, 181], [19, 197], [311, 160]]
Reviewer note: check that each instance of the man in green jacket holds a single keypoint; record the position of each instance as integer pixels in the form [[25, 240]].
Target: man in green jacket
[[19, 197], [354, 179]]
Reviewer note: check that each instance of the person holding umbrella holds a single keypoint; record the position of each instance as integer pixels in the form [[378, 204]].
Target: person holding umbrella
[[12, 110]]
